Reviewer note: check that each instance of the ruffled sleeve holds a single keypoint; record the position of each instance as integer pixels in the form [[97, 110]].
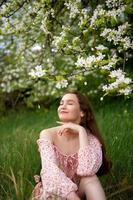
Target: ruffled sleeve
[[53, 178], [89, 158]]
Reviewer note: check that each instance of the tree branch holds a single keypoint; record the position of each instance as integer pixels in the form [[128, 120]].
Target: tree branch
[[4, 1], [20, 6], [124, 61]]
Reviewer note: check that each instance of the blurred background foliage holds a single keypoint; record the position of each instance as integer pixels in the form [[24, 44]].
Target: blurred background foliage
[[48, 46]]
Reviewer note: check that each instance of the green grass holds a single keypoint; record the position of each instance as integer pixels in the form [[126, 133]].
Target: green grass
[[19, 156]]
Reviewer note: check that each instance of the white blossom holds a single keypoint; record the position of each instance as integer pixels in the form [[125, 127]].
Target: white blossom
[[114, 3], [53, 50], [80, 62], [99, 11], [111, 64], [116, 12], [120, 77], [101, 99], [123, 28], [116, 73], [85, 83], [117, 36], [126, 91], [45, 19], [6, 87], [106, 67], [85, 12], [36, 48], [75, 37], [120, 83], [127, 43], [73, 7], [62, 84], [101, 47], [60, 40], [56, 42], [84, 17], [37, 72], [104, 87], [89, 61]]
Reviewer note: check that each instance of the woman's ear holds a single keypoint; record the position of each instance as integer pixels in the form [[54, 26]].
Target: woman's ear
[[81, 114]]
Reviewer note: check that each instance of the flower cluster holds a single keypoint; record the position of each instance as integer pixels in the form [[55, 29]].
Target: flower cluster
[[14, 79], [62, 84], [36, 48], [98, 12], [100, 15], [114, 3], [68, 29], [119, 74], [73, 7], [101, 47], [89, 61], [45, 23], [61, 41], [126, 91], [118, 82], [117, 36], [115, 12], [37, 72], [84, 17], [111, 64]]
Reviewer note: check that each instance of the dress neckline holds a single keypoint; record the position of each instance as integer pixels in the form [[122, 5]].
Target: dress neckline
[[64, 154]]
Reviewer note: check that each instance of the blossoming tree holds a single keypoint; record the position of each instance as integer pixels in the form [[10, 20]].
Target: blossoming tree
[[49, 45]]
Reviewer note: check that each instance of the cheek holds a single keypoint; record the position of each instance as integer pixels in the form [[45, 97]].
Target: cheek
[[75, 111], [58, 109]]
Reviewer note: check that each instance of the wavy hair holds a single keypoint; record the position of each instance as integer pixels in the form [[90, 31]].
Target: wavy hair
[[88, 121]]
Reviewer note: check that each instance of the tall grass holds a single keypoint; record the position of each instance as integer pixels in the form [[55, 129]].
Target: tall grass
[[115, 121], [20, 159]]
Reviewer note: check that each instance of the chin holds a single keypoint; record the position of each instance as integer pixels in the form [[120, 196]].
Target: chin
[[65, 119]]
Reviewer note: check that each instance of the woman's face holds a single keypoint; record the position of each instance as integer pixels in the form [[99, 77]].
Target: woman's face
[[69, 109]]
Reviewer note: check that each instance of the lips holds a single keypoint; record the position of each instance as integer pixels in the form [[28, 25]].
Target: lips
[[63, 112]]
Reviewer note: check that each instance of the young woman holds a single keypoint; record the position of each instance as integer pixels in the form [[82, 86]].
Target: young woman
[[72, 154]]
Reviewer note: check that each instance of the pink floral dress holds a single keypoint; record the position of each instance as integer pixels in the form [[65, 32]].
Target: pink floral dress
[[61, 173]]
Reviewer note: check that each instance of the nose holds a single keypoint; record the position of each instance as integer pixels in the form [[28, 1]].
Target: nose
[[63, 106]]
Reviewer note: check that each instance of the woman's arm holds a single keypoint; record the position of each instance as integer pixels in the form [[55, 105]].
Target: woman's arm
[[83, 137], [53, 178], [90, 151], [89, 156]]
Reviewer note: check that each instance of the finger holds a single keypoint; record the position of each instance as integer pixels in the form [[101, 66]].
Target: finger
[[58, 122], [37, 178], [59, 132], [62, 130]]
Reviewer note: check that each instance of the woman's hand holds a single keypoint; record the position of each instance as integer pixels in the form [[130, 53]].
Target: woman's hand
[[69, 125], [77, 129], [72, 196]]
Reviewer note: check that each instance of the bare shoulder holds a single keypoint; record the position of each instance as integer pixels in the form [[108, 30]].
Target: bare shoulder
[[49, 133]]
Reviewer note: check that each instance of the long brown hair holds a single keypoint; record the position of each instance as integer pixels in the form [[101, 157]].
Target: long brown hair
[[88, 121]]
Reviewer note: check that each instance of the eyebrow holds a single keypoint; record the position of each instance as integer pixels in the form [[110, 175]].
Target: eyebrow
[[69, 100]]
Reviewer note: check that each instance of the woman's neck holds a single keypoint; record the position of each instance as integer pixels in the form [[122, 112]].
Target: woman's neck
[[69, 135]]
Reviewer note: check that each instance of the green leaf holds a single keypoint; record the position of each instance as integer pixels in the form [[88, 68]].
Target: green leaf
[[59, 77]]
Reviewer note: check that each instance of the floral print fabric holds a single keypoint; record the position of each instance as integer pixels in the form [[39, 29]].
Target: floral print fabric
[[61, 173]]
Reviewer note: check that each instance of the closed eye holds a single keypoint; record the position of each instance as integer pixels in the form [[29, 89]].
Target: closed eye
[[69, 102]]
